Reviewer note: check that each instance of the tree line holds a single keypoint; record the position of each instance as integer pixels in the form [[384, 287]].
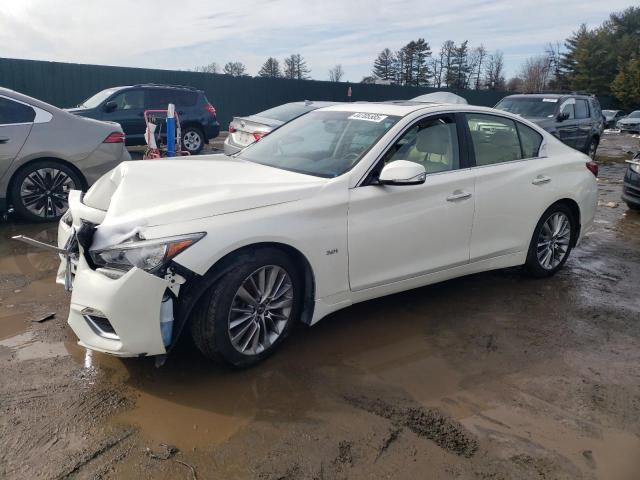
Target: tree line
[[294, 67], [455, 66], [604, 60]]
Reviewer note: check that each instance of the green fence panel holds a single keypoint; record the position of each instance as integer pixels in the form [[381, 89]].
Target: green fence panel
[[67, 84]]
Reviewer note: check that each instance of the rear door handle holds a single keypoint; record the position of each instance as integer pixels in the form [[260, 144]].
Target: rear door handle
[[540, 180], [4, 140], [458, 195]]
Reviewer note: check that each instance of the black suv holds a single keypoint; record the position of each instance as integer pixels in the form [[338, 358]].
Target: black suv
[[575, 119], [126, 106]]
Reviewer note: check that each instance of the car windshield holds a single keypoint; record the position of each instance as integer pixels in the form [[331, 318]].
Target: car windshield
[[609, 113], [321, 143], [284, 113], [98, 98], [532, 107], [635, 114]]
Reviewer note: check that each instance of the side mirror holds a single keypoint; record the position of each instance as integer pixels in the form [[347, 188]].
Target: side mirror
[[402, 172], [110, 106], [562, 116]]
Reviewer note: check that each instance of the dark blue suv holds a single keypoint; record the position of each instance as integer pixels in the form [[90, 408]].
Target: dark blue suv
[[126, 106]]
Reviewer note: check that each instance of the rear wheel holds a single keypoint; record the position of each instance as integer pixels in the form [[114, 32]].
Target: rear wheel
[[40, 191], [592, 148], [552, 241], [250, 310], [193, 140]]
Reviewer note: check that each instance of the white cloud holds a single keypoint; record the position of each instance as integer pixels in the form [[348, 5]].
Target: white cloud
[[170, 34]]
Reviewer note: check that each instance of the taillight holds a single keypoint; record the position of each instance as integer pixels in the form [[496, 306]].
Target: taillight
[[210, 108], [232, 129], [593, 168], [258, 135], [115, 137]]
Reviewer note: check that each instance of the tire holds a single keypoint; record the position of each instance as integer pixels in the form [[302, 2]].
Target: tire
[[39, 191], [535, 265], [633, 206], [212, 322], [592, 148], [193, 140]]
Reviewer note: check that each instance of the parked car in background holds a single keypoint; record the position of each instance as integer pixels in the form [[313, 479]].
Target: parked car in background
[[46, 152], [126, 106], [631, 184], [576, 120], [340, 205], [611, 117], [630, 123], [243, 131]]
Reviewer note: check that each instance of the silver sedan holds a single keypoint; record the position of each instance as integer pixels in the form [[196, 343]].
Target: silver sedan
[[45, 152], [243, 131]]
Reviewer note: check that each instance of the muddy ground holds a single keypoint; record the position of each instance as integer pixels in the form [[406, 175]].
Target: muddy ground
[[492, 376]]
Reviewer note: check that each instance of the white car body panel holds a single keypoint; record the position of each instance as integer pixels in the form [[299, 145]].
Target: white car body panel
[[360, 242]]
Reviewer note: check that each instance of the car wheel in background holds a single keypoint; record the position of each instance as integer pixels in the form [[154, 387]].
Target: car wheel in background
[[192, 140], [250, 310], [552, 241], [592, 148], [40, 191]]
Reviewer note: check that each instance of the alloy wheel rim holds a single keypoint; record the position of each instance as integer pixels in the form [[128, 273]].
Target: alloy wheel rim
[[553, 241], [260, 310], [192, 140], [45, 192]]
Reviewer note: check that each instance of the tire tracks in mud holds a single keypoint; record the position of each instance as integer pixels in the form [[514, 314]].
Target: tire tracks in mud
[[424, 422]]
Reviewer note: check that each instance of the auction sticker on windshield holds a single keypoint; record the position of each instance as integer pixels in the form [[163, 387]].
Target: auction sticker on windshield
[[369, 117], [551, 100]]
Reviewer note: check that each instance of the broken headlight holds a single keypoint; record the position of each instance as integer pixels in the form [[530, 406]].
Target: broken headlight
[[148, 255]]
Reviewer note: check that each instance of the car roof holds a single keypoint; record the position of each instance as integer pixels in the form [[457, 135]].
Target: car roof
[[402, 108], [549, 95]]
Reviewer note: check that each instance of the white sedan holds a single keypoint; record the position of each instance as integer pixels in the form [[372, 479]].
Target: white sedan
[[344, 204]]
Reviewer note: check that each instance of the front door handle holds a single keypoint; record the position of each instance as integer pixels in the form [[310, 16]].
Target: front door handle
[[4, 140], [540, 180], [458, 195]]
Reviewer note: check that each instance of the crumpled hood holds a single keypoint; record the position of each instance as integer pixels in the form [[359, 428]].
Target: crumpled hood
[[629, 120], [158, 192]]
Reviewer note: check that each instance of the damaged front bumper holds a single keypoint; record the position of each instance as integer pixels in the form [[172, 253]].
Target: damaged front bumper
[[127, 314], [120, 316]]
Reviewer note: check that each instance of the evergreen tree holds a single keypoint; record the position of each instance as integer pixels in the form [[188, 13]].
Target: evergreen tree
[[421, 53], [270, 69], [384, 66]]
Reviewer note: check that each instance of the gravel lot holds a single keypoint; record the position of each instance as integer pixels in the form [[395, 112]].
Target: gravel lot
[[491, 376]]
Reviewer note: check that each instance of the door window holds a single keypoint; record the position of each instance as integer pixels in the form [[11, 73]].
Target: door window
[[530, 140], [13, 112], [129, 100], [158, 98], [432, 142], [569, 108], [495, 139], [582, 110]]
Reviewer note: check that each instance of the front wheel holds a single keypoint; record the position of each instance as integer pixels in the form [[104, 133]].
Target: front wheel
[[250, 310], [552, 241]]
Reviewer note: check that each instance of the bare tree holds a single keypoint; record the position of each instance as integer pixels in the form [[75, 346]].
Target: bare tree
[[336, 73], [296, 68], [478, 58], [235, 69], [535, 74], [494, 71], [514, 84], [212, 67]]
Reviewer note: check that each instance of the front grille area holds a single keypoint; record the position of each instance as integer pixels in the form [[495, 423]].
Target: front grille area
[[631, 191]]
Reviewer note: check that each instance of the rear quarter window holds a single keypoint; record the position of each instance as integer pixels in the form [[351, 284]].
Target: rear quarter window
[[530, 141], [13, 112]]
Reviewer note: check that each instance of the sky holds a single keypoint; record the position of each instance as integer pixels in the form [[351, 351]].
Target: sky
[[184, 34]]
